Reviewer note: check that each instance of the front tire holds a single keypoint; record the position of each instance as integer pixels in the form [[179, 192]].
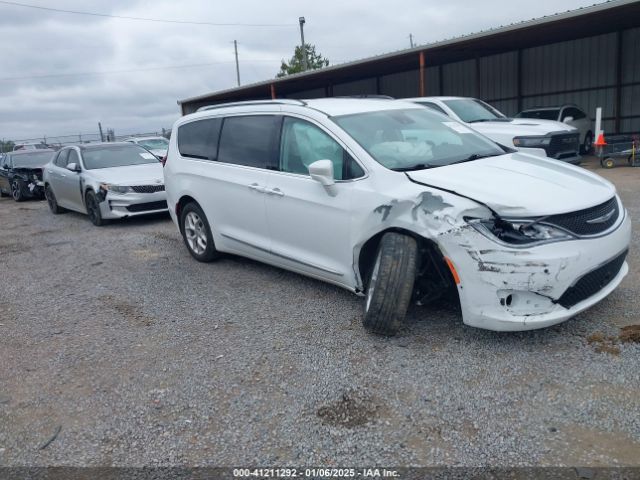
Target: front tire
[[51, 201], [93, 209], [197, 233], [391, 284], [17, 191]]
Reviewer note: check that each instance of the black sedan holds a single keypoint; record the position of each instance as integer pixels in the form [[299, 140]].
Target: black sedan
[[21, 174]]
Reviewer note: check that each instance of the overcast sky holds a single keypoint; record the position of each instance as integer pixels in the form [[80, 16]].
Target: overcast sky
[[46, 85]]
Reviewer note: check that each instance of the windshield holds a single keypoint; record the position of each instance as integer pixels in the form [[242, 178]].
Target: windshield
[[471, 110], [116, 156], [550, 114], [415, 138], [35, 159], [154, 143]]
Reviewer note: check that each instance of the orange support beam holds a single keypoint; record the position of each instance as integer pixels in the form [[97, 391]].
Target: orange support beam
[[422, 81], [273, 91]]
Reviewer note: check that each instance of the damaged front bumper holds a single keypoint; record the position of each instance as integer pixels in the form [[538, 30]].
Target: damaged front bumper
[[114, 205], [507, 288]]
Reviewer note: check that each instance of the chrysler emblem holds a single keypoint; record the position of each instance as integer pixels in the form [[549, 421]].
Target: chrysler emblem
[[603, 218]]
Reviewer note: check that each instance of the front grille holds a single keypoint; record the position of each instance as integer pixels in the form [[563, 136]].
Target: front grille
[[563, 145], [147, 188], [147, 207], [592, 282], [578, 222]]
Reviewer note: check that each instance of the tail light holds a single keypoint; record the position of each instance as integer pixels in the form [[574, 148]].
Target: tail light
[[163, 160]]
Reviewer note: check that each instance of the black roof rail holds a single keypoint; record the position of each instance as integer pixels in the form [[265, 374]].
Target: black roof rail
[[366, 95], [280, 101]]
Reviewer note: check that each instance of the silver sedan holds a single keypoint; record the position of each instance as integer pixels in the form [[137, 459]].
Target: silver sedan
[[105, 181]]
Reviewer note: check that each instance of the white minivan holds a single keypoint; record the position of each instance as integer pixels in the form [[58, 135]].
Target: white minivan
[[397, 203]]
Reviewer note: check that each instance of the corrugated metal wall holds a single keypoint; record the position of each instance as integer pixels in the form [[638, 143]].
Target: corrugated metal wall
[[583, 71]]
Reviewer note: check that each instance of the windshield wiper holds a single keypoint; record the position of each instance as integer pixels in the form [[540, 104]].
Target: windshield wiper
[[497, 119], [418, 166], [476, 156]]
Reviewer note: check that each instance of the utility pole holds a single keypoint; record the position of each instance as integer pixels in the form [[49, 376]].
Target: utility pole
[[100, 130], [304, 49], [235, 47], [411, 40]]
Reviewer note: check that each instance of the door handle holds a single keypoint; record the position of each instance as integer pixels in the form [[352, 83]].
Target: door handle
[[275, 191], [256, 187]]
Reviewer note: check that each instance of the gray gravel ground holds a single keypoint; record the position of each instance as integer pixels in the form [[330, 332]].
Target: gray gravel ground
[[145, 357]]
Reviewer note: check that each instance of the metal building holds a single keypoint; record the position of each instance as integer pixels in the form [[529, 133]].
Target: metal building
[[590, 57]]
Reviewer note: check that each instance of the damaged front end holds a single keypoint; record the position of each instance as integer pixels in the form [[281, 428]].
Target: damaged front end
[[32, 183], [527, 273]]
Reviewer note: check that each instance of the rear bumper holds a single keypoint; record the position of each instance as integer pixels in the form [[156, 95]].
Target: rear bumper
[[132, 204]]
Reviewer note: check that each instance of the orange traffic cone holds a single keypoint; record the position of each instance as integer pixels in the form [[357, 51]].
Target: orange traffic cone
[[600, 142]]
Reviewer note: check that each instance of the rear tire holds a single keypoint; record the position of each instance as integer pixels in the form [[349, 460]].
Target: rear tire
[[587, 144], [51, 201], [93, 209], [196, 233], [391, 284]]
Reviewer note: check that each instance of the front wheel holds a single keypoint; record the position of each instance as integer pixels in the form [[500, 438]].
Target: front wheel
[[391, 283], [93, 209], [17, 191], [197, 233]]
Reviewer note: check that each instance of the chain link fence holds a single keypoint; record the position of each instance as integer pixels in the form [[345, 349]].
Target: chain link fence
[[108, 135]]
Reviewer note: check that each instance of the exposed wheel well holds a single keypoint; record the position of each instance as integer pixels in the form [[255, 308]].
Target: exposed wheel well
[[432, 270]]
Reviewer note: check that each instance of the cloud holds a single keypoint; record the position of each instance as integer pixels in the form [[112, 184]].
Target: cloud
[[56, 51]]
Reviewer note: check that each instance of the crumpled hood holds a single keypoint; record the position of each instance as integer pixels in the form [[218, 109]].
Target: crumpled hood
[[147, 174], [518, 127], [521, 185]]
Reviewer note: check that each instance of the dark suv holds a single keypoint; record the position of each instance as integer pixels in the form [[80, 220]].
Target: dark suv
[[21, 173]]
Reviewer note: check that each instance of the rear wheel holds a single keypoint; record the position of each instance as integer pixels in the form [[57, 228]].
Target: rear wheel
[[51, 201], [17, 191], [93, 209], [587, 145], [197, 233], [391, 283]]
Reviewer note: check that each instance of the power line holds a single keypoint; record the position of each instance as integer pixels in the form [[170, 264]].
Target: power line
[[123, 17], [107, 72]]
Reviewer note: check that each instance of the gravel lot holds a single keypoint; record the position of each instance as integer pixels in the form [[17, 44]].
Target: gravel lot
[[139, 355]]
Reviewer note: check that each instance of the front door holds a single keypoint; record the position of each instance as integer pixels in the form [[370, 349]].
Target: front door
[[310, 229]]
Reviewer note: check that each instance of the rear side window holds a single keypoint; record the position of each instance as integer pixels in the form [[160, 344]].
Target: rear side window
[[199, 139], [248, 140]]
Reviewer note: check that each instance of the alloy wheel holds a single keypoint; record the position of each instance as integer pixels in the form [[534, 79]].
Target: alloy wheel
[[195, 233], [15, 190]]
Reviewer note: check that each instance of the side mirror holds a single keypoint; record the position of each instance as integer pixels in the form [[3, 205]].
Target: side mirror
[[73, 167], [567, 119], [322, 171]]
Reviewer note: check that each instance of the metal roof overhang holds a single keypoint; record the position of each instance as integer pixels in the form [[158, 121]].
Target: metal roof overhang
[[589, 21]]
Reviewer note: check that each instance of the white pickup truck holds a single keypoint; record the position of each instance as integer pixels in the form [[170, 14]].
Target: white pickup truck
[[544, 138]]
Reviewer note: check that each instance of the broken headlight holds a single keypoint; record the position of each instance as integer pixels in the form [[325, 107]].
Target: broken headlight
[[519, 232], [532, 142], [115, 188]]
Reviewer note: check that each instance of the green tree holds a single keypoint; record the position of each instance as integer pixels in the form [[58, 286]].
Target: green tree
[[6, 146], [314, 61]]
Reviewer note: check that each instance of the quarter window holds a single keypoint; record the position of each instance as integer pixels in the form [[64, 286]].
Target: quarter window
[[61, 159], [248, 140], [73, 157], [435, 107], [199, 139], [303, 143]]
